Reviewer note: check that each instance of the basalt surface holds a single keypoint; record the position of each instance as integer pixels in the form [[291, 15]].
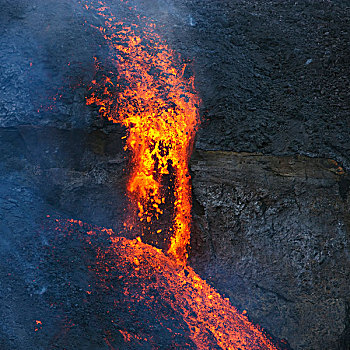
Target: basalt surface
[[272, 234], [270, 229]]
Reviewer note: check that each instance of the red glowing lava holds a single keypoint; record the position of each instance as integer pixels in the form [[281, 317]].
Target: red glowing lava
[[143, 277], [151, 97], [149, 94]]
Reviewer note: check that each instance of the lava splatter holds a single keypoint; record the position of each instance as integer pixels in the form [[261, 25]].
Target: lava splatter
[[151, 97]]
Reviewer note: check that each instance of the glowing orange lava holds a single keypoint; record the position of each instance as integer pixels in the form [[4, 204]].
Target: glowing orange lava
[[149, 92], [151, 97], [212, 321]]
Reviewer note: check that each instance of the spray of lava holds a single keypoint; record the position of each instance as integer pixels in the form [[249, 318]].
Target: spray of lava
[[153, 97], [159, 107]]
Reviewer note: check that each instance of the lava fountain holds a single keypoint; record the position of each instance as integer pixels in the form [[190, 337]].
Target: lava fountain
[[159, 107], [150, 91]]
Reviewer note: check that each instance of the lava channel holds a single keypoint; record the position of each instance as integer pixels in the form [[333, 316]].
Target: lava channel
[[148, 89]]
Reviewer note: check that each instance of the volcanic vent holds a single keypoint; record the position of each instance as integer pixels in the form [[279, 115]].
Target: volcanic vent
[[150, 91]]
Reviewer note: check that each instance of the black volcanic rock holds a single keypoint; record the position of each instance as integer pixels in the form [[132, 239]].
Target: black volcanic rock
[[271, 228], [273, 234]]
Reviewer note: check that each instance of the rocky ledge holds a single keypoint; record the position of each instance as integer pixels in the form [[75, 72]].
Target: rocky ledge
[[272, 234]]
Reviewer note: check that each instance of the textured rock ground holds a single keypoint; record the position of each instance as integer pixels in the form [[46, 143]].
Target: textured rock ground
[[51, 172], [273, 235], [270, 231]]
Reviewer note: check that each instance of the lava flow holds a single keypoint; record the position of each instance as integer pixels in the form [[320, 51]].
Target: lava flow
[[159, 107], [151, 292], [151, 93]]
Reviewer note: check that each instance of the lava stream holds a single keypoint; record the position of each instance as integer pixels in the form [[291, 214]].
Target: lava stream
[[150, 96], [142, 276], [151, 93]]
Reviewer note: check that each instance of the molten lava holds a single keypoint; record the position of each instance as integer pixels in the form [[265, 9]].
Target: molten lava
[[151, 97], [151, 93], [143, 277]]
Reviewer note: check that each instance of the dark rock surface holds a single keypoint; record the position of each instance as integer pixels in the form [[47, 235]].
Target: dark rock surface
[[273, 234], [46, 171], [274, 76], [270, 231]]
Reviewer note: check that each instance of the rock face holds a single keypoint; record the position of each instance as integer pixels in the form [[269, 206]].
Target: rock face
[[274, 235], [274, 76], [270, 231]]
